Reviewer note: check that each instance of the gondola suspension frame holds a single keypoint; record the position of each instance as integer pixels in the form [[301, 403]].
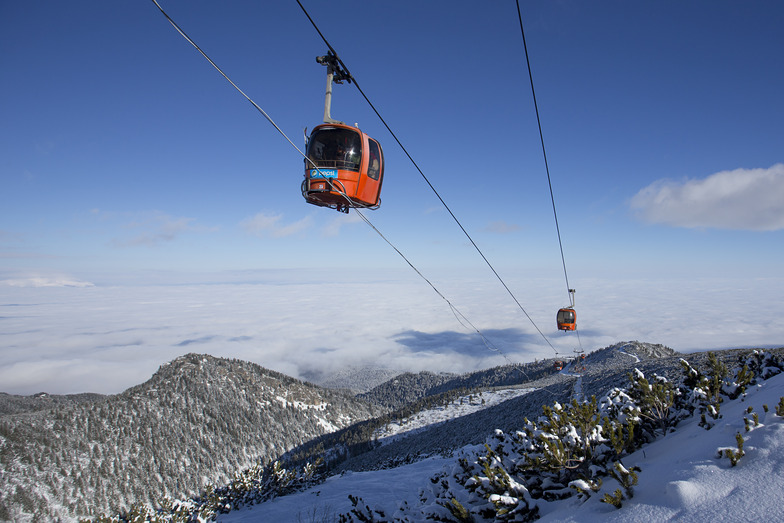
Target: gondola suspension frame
[[344, 167]]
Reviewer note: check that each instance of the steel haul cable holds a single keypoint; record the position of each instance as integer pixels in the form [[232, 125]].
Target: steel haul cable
[[546, 166], [462, 319], [470, 239]]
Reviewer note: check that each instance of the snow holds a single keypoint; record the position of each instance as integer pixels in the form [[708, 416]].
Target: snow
[[328, 500], [460, 407], [681, 478], [636, 358]]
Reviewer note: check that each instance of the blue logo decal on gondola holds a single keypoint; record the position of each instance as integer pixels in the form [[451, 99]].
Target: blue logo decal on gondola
[[323, 173]]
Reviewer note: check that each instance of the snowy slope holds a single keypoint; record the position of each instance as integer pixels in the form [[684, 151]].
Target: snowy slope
[[463, 406], [681, 478]]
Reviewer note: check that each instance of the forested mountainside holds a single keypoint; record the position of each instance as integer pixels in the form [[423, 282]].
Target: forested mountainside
[[443, 436], [10, 404], [407, 394], [601, 371], [201, 419], [198, 420], [357, 379], [408, 387]]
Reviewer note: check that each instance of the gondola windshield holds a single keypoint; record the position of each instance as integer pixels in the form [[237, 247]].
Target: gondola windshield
[[566, 316], [335, 148], [567, 319]]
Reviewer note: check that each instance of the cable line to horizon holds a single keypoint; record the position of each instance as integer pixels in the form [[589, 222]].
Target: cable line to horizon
[[569, 290], [461, 318], [353, 80], [544, 151]]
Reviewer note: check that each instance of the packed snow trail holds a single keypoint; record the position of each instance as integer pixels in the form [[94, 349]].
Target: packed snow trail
[[459, 407], [636, 358], [578, 387]]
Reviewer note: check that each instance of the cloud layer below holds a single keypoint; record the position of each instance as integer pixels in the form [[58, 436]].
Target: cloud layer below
[[742, 199], [68, 339]]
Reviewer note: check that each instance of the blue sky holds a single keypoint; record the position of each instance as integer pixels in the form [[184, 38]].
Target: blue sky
[[126, 158], [123, 150]]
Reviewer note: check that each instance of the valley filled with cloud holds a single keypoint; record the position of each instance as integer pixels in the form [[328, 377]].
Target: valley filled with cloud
[[68, 336]]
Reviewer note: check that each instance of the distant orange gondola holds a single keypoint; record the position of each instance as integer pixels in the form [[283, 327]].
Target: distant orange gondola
[[566, 319]]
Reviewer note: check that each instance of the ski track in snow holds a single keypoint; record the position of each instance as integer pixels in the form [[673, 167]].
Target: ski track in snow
[[461, 407], [636, 358]]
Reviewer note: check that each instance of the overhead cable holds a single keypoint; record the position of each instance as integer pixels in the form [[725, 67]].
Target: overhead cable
[[569, 290], [544, 151], [259, 109], [470, 239], [458, 315]]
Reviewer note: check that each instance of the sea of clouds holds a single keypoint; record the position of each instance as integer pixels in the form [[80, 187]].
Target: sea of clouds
[[68, 336]]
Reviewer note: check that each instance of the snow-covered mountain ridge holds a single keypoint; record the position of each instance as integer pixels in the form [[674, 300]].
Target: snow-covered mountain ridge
[[682, 476], [390, 472], [685, 472], [196, 422], [409, 387], [222, 440], [357, 379]]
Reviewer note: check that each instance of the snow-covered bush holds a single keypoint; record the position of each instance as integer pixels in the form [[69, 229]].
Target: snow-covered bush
[[762, 364], [627, 478], [733, 454], [655, 400], [565, 452], [256, 485], [571, 449], [705, 392], [362, 512]]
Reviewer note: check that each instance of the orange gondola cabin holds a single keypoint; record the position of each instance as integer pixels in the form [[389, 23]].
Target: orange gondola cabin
[[344, 168], [566, 319]]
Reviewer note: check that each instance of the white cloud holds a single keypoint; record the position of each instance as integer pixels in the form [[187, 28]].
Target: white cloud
[[148, 228], [328, 320], [267, 224], [44, 281], [502, 227], [159, 228], [742, 199], [333, 227]]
